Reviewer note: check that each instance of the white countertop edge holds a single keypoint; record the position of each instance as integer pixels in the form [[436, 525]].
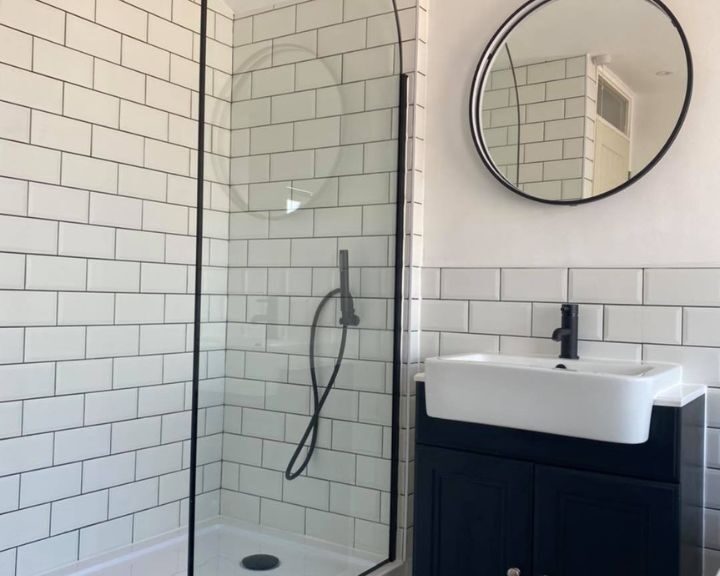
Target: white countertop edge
[[676, 396], [680, 395]]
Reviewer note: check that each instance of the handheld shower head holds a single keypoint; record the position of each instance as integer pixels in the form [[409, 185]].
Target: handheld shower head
[[347, 305]]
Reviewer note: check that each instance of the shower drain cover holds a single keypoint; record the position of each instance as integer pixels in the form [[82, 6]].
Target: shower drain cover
[[260, 562]]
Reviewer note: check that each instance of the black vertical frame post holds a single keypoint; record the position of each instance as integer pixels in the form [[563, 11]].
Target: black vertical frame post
[[198, 290], [400, 264]]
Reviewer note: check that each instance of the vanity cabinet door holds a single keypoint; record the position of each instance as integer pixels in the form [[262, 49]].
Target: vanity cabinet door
[[473, 514], [595, 525]]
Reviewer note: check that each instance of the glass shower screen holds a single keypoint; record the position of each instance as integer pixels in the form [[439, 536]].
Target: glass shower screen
[[295, 443]]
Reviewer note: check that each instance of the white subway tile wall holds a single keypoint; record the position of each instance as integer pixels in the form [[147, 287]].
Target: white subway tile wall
[[662, 315], [98, 137], [314, 146]]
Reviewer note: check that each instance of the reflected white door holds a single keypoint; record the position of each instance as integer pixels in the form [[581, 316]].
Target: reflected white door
[[612, 157]]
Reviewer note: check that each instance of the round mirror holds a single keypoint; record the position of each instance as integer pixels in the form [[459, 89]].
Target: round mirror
[[574, 100]]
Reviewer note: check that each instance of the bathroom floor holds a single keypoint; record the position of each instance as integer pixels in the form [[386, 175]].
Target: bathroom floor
[[220, 548]]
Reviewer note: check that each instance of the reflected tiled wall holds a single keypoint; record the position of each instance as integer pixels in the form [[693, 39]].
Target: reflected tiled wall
[[98, 130], [662, 315], [314, 154]]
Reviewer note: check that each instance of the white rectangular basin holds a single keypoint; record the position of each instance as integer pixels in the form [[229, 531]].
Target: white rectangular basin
[[595, 400]]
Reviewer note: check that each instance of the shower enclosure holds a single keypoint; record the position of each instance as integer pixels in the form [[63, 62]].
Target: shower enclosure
[[201, 286]]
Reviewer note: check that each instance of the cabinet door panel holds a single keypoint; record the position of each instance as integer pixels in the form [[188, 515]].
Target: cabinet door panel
[[473, 514], [594, 525]]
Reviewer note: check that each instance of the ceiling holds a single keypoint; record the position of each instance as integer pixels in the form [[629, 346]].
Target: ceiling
[[636, 34]]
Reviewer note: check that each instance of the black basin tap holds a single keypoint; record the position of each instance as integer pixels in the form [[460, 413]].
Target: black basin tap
[[567, 334]]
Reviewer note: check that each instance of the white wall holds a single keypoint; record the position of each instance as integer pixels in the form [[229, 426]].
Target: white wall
[[668, 219]]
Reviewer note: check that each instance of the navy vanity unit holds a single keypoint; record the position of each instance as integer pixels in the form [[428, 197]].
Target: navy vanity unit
[[492, 501]]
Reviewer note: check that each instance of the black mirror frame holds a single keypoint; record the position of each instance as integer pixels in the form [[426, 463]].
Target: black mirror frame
[[482, 72]]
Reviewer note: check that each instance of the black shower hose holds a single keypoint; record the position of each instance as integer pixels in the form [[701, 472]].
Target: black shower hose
[[318, 401]]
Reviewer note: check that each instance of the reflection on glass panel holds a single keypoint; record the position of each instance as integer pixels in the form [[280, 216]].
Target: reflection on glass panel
[[300, 177]]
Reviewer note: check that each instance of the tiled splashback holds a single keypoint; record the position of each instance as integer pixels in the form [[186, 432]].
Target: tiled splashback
[[664, 315], [98, 134]]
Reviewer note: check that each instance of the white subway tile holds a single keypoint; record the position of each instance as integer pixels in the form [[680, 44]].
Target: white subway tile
[[307, 492], [143, 246], [86, 241], [367, 64], [50, 484], [283, 516], [455, 343], [143, 120], [117, 146], [678, 287], [103, 407], [18, 528], [319, 13], [162, 339], [187, 14], [15, 47], [9, 495], [78, 512], [35, 18], [504, 318], [106, 472], [167, 157], [157, 521], [117, 211], [119, 81], [108, 276], [13, 197], [469, 284], [122, 17], [27, 308], [23, 381], [14, 122], [653, 325], [29, 162], [145, 58], [159, 460], [167, 96], [136, 371], [445, 316], [95, 540], [25, 454], [93, 39], [169, 218], [139, 309], [89, 173], [56, 203], [355, 502], [606, 286], [142, 183], [91, 106], [279, 22], [700, 327], [11, 345], [49, 344], [12, 271], [83, 376], [55, 273], [135, 434], [133, 497], [339, 161], [82, 444], [319, 73], [171, 37], [166, 399], [111, 341], [549, 285], [63, 63]]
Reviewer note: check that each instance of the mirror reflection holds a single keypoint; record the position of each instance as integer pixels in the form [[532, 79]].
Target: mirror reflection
[[582, 96]]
